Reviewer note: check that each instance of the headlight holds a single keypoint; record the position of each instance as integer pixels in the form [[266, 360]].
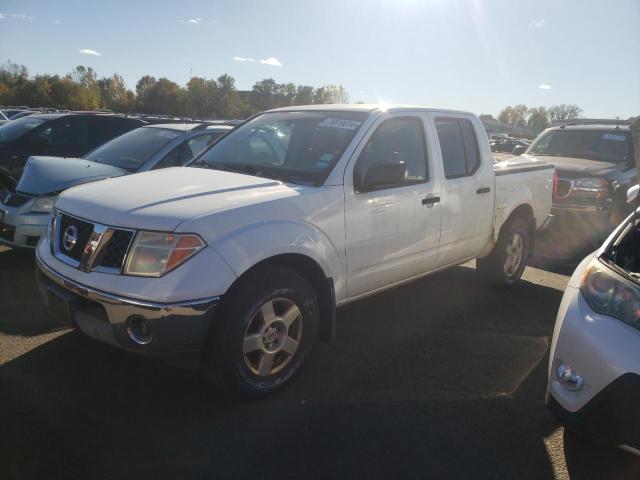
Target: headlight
[[590, 187], [610, 294], [153, 253], [43, 204]]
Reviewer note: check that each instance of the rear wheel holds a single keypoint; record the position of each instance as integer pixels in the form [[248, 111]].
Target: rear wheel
[[265, 329], [505, 264]]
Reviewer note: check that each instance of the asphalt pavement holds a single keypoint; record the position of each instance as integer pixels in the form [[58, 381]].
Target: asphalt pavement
[[441, 378]]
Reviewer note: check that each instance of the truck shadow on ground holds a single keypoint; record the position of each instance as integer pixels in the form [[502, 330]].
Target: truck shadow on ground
[[22, 311], [440, 378]]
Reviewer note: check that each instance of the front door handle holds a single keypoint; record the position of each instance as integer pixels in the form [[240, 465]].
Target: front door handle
[[483, 190], [430, 201]]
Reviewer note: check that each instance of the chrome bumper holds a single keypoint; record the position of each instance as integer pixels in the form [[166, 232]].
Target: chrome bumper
[[175, 327]]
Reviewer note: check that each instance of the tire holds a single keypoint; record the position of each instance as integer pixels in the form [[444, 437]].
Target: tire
[[262, 333], [503, 267]]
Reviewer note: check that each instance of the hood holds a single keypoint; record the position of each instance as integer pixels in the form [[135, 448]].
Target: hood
[[163, 199], [570, 167], [44, 175]]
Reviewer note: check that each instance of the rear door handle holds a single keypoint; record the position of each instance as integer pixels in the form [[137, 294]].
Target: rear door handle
[[483, 190], [430, 201]]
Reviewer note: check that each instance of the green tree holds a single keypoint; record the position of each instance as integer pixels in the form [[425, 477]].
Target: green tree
[[115, 95], [143, 87], [538, 119], [304, 95], [331, 94], [89, 91], [564, 112], [516, 115], [201, 97], [264, 93], [228, 103]]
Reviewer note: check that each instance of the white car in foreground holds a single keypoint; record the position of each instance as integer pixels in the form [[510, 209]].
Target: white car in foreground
[[594, 367], [299, 210]]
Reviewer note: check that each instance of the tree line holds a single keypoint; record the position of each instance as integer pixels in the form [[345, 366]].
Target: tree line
[[537, 118], [81, 89]]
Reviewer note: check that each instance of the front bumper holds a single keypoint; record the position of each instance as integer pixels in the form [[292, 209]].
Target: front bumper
[[175, 327], [19, 227], [604, 351]]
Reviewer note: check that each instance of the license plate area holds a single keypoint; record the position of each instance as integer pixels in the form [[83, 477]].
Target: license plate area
[[62, 304]]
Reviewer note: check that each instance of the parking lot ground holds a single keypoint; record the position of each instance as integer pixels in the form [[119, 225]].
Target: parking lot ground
[[440, 378]]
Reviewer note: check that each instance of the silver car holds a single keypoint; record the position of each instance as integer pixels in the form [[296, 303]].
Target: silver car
[[24, 212]]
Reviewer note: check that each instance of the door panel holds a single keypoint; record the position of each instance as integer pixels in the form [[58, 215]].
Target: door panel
[[391, 234], [467, 189]]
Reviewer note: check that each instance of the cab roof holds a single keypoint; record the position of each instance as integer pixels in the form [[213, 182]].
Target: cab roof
[[366, 108]]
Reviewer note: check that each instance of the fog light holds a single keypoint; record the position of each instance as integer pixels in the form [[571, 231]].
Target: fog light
[[139, 330], [568, 378]]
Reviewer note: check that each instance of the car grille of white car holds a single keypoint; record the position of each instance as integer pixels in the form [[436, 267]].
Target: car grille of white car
[[88, 245]]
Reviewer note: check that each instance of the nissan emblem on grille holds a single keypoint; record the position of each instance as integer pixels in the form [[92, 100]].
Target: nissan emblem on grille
[[87, 245], [70, 238]]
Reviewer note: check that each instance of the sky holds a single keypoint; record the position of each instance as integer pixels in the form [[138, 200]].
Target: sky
[[475, 55]]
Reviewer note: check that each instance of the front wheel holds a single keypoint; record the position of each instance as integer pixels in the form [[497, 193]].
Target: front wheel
[[505, 264], [265, 329]]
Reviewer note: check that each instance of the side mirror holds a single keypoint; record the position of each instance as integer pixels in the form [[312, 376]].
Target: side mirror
[[632, 193], [384, 174], [519, 149]]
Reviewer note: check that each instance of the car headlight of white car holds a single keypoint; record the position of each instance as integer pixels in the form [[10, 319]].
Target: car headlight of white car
[[155, 253], [611, 294], [590, 187], [43, 204]]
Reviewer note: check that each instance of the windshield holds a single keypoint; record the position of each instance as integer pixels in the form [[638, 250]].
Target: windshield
[[300, 147], [134, 148], [16, 128], [602, 145]]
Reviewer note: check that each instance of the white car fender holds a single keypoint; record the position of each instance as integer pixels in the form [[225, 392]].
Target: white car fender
[[244, 248]]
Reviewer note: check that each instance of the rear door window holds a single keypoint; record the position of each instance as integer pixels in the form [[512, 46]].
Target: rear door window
[[459, 147]]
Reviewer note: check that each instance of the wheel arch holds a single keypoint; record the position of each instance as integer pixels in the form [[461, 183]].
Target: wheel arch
[[312, 272]]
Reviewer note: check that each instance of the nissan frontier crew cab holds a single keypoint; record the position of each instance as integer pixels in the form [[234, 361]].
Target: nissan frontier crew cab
[[242, 257]]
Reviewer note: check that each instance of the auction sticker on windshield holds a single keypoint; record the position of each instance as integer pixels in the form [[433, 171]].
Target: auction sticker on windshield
[[612, 136], [340, 123]]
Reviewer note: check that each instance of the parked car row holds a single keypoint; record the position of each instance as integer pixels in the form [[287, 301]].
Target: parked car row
[[56, 134], [26, 210], [505, 143]]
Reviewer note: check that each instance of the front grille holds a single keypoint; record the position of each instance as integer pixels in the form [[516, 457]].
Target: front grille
[[11, 199], [116, 249], [564, 187], [113, 247], [85, 229]]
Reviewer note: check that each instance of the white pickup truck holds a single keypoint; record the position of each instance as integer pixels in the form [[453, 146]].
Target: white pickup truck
[[243, 257]]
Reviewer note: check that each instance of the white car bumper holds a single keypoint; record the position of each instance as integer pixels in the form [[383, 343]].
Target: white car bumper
[[605, 353], [20, 227]]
